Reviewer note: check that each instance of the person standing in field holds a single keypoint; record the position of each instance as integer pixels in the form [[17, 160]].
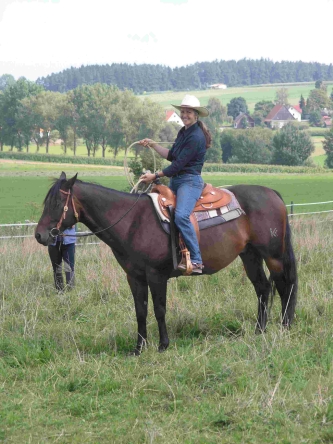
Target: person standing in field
[[63, 251], [187, 157]]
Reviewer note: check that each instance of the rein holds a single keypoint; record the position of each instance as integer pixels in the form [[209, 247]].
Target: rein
[[63, 216]]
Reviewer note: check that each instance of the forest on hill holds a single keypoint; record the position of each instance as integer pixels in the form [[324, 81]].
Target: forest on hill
[[145, 77]]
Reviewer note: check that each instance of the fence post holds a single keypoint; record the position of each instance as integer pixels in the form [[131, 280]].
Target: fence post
[[292, 208]]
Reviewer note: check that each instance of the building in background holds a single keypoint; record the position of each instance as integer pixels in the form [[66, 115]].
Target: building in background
[[172, 116], [218, 86]]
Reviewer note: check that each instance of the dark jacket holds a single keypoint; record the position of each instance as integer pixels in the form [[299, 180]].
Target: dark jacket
[[187, 154]]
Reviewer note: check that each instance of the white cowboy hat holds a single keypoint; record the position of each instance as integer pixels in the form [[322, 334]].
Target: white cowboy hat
[[193, 102]]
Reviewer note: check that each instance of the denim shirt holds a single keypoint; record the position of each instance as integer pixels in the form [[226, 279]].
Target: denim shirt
[[187, 154], [67, 239]]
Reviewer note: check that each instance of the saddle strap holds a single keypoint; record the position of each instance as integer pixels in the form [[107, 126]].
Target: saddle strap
[[186, 259], [173, 231]]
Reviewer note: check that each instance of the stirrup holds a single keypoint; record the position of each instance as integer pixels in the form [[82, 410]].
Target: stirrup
[[185, 265]]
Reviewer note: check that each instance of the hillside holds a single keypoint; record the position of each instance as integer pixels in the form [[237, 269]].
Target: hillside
[[141, 78]]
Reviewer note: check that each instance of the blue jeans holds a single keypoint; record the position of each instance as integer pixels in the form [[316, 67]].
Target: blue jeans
[[188, 189]]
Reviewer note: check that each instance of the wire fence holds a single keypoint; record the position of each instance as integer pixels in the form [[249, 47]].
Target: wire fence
[[23, 227]]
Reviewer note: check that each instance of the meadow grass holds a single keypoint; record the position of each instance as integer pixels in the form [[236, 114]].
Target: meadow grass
[[252, 94], [24, 186], [318, 144], [81, 150], [319, 160], [65, 373]]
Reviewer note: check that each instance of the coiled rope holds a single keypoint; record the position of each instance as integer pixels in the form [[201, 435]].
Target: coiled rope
[[135, 186]]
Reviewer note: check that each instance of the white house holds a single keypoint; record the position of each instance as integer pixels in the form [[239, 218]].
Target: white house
[[172, 116], [218, 86], [296, 112]]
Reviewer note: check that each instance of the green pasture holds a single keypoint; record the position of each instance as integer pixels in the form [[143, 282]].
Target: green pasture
[[319, 160], [318, 144], [252, 94], [23, 187], [81, 150], [66, 375]]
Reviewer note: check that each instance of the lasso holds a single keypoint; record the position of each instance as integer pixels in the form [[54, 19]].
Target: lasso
[[135, 186]]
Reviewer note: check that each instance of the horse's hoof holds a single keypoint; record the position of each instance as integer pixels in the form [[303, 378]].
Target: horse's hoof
[[135, 352], [162, 347]]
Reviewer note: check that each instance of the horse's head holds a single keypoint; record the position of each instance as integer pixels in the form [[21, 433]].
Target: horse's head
[[58, 213]]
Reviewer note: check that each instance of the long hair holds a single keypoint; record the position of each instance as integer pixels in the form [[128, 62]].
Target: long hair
[[206, 132]]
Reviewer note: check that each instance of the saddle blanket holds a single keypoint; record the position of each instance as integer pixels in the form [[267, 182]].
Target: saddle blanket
[[207, 218]]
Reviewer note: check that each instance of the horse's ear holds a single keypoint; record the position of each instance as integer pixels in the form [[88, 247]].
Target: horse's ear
[[70, 182], [63, 176]]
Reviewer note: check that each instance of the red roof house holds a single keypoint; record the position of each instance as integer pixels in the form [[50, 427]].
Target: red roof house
[[279, 116]]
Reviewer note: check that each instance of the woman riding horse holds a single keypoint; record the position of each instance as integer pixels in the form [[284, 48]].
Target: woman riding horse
[[187, 157]]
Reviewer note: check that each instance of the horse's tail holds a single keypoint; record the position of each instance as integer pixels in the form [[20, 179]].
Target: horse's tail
[[289, 296], [290, 273]]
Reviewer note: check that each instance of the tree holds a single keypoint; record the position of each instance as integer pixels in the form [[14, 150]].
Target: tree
[[252, 146], [318, 84], [11, 102], [237, 105], [261, 110], [5, 81], [317, 100], [168, 132], [328, 147], [65, 120], [315, 118], [264, 106], [227, 140], [281, 96], [291, 146], [302, 102], [217, 115]]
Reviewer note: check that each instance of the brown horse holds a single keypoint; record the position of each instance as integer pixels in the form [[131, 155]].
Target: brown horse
[[129, 225]]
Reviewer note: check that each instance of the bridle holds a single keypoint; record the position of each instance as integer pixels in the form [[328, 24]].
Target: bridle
[[64, 212], [63, 217]]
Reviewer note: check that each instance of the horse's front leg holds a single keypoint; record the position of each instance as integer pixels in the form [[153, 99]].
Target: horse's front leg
[[140, 294], [158, 286]]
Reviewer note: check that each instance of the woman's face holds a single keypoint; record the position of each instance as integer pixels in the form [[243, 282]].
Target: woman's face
[[188, 116]]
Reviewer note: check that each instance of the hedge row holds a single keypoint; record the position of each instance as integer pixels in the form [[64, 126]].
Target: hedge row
[[208, 167], [54, 158], [250, 168]]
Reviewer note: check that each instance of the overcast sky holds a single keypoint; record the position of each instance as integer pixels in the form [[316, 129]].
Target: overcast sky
[[38, 37]]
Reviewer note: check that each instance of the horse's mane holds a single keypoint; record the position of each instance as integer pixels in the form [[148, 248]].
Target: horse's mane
[[53, 194]]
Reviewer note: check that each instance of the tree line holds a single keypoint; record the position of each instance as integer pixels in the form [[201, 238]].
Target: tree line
[[105, 117], [146, 77], [102, 115]]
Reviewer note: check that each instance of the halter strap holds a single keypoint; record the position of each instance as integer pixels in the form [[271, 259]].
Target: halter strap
[[63, 216]]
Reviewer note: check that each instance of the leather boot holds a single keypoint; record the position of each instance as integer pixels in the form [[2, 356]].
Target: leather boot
[[70, 279], [58, 281]]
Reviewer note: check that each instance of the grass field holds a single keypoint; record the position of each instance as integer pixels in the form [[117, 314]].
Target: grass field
[[252, 94], [24, 186], [319, 160], [65, 374]]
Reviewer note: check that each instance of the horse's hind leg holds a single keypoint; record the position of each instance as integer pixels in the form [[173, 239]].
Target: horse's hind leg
[[140, 294], [286, 286], [253, 264]]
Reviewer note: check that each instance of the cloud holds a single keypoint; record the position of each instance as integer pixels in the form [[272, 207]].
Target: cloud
[[144, 39], [174, 2]]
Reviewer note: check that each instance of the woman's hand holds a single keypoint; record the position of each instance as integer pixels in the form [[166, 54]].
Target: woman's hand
[[146, 142], [147, 177]]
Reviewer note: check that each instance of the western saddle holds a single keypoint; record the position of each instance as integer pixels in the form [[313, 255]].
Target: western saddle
[[210, 199]]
